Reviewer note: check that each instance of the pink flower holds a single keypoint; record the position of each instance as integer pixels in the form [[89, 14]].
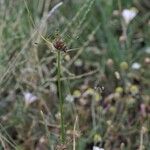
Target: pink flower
[[29, 98]]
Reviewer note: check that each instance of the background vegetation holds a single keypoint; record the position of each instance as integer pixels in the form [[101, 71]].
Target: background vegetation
[[104, 75]]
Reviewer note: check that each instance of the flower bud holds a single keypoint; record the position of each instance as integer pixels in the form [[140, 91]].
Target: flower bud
[[124, 65]]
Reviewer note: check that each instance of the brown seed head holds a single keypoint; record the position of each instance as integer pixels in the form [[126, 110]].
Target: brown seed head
[[59, 44]]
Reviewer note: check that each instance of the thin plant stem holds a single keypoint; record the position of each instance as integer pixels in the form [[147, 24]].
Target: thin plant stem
[[74, 130], [46, 129], [6, 140], [61, 102], [141, 139]]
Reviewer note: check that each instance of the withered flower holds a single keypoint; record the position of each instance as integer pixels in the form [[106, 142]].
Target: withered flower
[[59, 44]]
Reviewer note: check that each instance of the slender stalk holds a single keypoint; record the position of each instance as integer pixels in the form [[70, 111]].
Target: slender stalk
[[61, 102], [46, 129], [74, 130], [141, 139]]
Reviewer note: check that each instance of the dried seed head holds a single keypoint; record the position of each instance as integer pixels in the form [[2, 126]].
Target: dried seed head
[[59, 44], [147, 60], [110, 63]]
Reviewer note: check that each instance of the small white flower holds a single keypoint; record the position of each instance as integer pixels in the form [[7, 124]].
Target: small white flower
[[69, 98], [97, 148], [29, 98], [136, 66], [147, 50], [78, 63], [129, 14], [53, 88]]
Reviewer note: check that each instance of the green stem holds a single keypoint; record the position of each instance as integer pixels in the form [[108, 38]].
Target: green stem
[[61, 102]]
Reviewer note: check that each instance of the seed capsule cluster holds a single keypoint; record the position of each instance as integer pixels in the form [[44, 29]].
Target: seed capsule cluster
[[59, 44]]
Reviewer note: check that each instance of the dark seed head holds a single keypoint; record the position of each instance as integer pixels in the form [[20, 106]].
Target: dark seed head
[[60, 45]]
